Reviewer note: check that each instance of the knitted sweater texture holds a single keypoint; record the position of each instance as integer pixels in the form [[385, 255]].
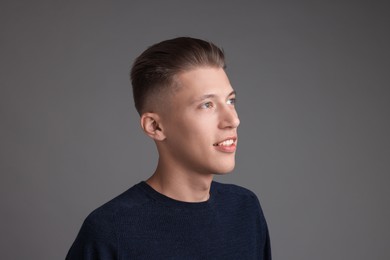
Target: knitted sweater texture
[[144, 224]]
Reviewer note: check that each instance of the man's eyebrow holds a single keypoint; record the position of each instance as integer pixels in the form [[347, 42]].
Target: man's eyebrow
[[212, 96], [232, 93]]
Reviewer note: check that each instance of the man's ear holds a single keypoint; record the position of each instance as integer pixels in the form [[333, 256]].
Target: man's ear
[[151, 124]]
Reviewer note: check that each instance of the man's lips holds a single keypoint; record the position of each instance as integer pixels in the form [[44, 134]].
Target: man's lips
[[227, 141], [227, 145]]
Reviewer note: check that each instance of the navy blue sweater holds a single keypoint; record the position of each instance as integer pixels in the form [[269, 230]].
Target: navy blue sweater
[[144, 224]]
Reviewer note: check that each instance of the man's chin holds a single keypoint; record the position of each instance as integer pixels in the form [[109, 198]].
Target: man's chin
[[224, 171]]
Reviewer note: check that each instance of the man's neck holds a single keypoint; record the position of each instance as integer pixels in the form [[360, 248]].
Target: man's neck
[[187, 187]]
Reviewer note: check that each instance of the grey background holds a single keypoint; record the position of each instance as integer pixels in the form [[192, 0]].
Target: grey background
[[313, 84]]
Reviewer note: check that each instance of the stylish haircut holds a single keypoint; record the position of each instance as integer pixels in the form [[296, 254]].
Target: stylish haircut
[[154, 71]]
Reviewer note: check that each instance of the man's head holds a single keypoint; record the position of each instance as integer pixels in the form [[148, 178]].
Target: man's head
[[187, 105], [154, 72]]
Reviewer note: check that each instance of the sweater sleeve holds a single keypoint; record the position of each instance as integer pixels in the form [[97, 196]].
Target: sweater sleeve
[[264, 237], [267, 245], [96, 240]]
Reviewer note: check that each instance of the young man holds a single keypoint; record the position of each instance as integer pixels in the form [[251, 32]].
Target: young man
[[187, 106]]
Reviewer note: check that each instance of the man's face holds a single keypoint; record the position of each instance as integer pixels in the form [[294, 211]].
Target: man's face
[[201, 122]]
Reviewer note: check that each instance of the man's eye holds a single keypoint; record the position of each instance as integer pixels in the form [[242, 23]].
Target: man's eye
[[207, 105], [232, 101]]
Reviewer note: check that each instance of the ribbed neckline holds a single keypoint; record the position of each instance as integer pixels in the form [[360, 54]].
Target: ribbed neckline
[[167, 201]]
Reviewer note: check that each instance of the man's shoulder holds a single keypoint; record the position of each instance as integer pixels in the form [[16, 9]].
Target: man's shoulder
[[234, 191], [128, 201], [233, 197]]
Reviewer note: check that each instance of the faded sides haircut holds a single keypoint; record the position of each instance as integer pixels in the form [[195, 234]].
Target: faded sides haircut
[[154, 71]]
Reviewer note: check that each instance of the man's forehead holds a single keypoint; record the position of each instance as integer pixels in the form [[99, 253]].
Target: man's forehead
[[203, 81]]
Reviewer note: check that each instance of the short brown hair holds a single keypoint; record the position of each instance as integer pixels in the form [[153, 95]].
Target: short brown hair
[[155, 69]]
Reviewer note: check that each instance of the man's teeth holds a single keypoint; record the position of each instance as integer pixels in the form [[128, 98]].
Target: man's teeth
[[226, 142]]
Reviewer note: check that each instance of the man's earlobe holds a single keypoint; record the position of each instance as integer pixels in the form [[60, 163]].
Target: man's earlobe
[[150, 123]]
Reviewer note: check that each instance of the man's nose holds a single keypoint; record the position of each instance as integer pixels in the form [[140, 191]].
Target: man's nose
[[229, 117]]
